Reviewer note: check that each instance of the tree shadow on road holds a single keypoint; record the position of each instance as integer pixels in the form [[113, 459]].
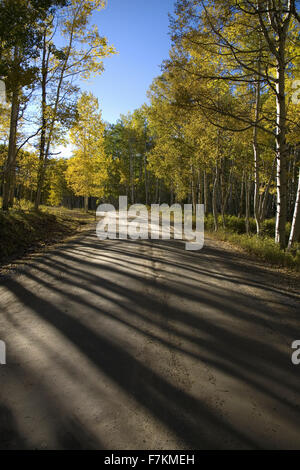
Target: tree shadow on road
[[185, 309]]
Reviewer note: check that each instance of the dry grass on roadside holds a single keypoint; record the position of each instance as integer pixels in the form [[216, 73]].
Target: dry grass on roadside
[[24, 230]]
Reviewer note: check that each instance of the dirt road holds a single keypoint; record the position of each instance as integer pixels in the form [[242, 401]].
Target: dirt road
[[143, 345]]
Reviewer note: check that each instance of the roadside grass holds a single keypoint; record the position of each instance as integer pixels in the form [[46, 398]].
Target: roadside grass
[[264, 246], [23, 230]]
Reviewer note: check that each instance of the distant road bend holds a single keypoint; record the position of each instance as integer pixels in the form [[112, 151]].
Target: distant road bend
[[143, 345]]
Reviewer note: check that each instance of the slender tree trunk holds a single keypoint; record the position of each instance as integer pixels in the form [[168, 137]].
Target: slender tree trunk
[[86, 203], [159, 192], [214, 199], [131, 171], [145, 168], [281, 152], [295, 230], [156, 190], [41, 168], [279, 18], [199, 188], [224, 202], [131, 179], [194, 190], [264, 198], [256, 154], [172, 196], [205, 190], [146, 181], [10, 166], [225, 190], [242, 197], [52, 123], [12, 189], [247, 190]]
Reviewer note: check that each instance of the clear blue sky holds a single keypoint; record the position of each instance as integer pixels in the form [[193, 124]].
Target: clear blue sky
[[139, 31]]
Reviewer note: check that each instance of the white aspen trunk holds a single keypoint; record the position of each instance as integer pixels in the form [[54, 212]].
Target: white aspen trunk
[[214, 199], [241, 196], [256, 155], [205, 190], [194, 190], [281, 149], [295, 229], [247, 188]]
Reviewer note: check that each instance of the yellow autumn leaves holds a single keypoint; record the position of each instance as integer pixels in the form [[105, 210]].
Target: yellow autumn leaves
[[87, 170]]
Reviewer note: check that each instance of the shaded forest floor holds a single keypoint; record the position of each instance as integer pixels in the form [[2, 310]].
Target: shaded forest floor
[[25, 231]]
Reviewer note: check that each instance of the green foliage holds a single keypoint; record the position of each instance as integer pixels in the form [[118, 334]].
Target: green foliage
[[129, 142], [21, 37], [57, 184], [238, 225], [232, 223], [264, 248]]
